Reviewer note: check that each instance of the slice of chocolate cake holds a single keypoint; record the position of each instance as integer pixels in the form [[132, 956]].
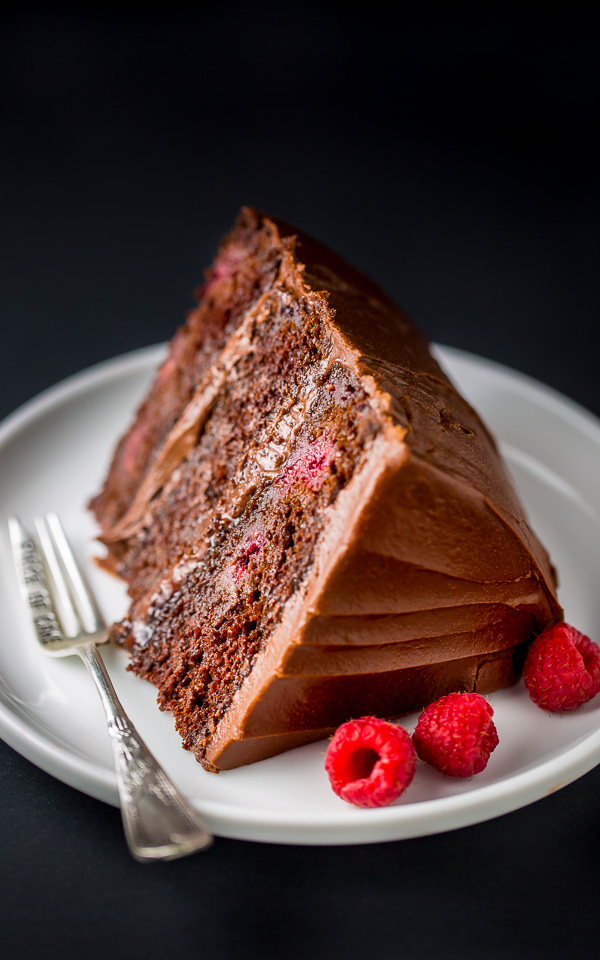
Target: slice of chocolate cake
[[313, 523]]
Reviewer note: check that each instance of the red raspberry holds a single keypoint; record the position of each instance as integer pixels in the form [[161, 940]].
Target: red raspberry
[[562, 668], [456, 734], [370, 762]]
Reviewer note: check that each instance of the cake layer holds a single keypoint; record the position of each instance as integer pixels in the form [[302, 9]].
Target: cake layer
[[236, 444], [246, 266]]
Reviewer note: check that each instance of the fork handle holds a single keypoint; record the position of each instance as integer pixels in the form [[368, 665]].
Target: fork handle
[[159, 823]]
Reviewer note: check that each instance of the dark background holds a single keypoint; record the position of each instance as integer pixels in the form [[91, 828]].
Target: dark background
[[450, 152]]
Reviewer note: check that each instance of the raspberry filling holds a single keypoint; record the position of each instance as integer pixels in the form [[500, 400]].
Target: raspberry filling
[[310, 465], [249, 549]]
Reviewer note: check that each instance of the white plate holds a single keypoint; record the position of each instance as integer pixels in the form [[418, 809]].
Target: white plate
[[54, 453]]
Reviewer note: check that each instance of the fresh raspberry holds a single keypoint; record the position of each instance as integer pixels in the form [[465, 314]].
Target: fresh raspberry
[[562, 668], [370, 762], [456, 734]]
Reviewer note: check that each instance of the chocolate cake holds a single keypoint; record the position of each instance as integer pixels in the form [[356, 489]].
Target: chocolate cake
[[313, 523]]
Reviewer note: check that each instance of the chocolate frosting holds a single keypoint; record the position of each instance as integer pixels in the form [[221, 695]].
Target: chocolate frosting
[[427, 576]]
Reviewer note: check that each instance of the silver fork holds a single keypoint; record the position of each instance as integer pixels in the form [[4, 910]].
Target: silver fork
[[159, 823]]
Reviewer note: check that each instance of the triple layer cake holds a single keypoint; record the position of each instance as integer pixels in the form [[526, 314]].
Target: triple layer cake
[[313, 523]]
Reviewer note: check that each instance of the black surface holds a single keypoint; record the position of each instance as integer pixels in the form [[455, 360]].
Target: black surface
[[452, 155]]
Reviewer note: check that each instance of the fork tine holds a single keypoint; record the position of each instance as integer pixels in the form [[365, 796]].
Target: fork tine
[[69, 621], [89, 614]]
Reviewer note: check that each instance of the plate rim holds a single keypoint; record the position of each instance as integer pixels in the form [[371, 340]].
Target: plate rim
[[420, 818]]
